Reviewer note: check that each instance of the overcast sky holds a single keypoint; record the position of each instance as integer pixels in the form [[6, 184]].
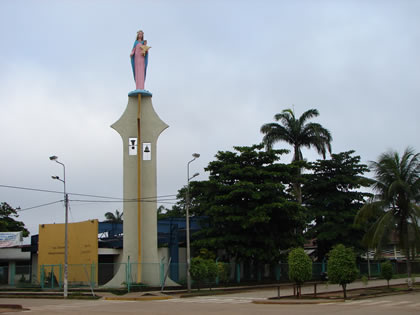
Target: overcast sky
[[218, 70]]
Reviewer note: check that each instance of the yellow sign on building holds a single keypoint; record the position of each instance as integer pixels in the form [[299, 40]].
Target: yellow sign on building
[[82, 250]]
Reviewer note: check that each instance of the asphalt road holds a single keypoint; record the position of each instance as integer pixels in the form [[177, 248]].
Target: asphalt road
[[240, 303]]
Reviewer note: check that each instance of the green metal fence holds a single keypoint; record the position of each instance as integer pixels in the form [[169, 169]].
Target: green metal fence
[[4, 275], [16, 275], [97, 275]]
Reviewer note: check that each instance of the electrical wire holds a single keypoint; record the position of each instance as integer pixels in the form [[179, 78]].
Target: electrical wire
[[85, 195], [33, 189], [111, 201], [164, 199], [39, 206], [82, 203]]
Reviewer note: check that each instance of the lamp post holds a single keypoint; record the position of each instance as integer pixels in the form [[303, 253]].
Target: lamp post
[[187, 218], [66, 204]]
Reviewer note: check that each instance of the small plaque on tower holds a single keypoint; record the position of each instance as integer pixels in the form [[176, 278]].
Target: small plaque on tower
[[132, 146], [147, 151]]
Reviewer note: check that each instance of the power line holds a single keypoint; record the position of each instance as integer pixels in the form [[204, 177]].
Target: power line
[[33, 189], [112, 201], [105, 197], [85, 202], [163, 196], [164, 199], [39, 206], [85, 195], [56, 192]]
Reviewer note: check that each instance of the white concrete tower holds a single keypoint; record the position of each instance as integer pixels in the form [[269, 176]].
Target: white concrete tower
[[139, 128]]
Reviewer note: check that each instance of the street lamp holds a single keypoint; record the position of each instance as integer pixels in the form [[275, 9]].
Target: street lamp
[[187, 217], [66, 204]]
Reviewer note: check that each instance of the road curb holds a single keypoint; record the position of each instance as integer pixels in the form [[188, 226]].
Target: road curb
[[12, 308], [140, 298], [302, 302]]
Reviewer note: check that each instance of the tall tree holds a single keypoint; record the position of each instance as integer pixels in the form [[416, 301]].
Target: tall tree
[[163, 212], [395, 206], [116, 217], [178, 209], [333, 197], [298, 133], [7, 221], [247, 207]]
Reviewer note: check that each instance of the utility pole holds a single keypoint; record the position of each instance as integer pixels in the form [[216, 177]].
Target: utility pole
[[187, 219], [66, 204]]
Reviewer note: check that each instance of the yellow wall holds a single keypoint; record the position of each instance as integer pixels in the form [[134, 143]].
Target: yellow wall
[[82, 249]]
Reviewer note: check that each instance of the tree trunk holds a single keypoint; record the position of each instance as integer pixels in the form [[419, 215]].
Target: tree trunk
[[405, 245], [408, 262], [408, 267], [344, 290], [296, 186], [298, 192]]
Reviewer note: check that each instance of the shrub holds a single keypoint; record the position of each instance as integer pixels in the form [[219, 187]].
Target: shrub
[[300, 267], [198, 270], [203, 270], [342, 266], [365, 280], [223, 272], [386, 271], [212, 271]]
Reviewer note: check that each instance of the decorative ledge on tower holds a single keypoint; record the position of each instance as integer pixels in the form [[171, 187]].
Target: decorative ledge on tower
[[142, 92]]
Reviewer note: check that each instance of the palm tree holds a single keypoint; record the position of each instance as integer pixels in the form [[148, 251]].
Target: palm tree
[[298, 133], [394, 208], [114, 218]]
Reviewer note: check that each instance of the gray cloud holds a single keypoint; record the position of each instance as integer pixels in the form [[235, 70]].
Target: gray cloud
[[218, 71]]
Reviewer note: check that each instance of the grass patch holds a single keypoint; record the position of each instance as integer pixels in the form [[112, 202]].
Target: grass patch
[[404, 275], [21, 289], [117, 291], [48, 296], [370, 292]]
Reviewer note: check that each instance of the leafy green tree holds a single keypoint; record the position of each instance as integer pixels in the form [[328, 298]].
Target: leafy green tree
[[164, 213], [386, 271], [223, 271], [161, 211], [212, 271], [395, 207], [116, 217], [298, 133], [333, 197], [178, 210], [202, 270], [246, 205], [342, 266], [300, 268], [207, 254], [7, 221], [198, 270]]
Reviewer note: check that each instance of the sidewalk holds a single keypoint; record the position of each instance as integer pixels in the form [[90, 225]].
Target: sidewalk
[[257, 291], [322, 288]]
